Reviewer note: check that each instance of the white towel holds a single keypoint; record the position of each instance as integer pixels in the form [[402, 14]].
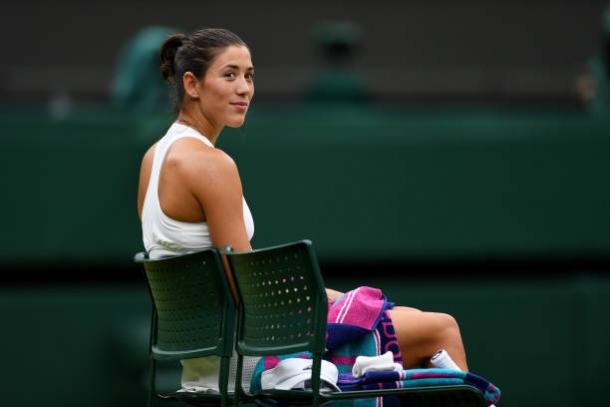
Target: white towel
[[379, 363], [295, 373]]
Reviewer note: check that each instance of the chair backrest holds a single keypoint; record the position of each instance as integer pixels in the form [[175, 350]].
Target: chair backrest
[[283, 304], [195, 313]]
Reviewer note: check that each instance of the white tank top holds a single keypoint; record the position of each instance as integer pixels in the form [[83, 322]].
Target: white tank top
[[162, 235]]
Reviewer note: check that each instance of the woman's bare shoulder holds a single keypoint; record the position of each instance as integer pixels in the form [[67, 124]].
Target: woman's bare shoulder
[[201, 163], [148, 156]]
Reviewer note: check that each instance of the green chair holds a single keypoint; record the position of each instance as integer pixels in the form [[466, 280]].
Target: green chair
[[193, 316], [283, 309]]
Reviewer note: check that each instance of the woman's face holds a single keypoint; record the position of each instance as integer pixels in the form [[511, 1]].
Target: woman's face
[[226, 90]]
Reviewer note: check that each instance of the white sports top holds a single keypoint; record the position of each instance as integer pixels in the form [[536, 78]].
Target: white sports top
[[162, 235]]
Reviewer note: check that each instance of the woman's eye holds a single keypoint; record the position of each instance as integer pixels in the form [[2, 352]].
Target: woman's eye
[[250, 76], [230, 75]]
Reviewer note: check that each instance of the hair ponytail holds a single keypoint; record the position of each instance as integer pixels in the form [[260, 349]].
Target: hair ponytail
[[168, 56]]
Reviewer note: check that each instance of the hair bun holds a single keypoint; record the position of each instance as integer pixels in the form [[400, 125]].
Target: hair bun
[[168, 54]]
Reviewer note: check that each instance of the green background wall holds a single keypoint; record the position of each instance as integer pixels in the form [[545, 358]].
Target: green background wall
[[497, 216], [367, 182]]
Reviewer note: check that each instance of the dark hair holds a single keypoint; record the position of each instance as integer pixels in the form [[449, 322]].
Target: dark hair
[[194, 53]]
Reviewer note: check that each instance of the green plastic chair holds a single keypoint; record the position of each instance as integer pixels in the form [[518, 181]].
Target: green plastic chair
[[193, 316], [283, 309]]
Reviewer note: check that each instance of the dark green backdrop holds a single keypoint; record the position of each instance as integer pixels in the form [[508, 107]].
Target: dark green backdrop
[[384, 186]]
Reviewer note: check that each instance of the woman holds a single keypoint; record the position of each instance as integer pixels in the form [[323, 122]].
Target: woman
[[190, 194]]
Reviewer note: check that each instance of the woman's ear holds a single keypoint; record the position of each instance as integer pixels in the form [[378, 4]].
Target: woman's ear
[[191, 85]]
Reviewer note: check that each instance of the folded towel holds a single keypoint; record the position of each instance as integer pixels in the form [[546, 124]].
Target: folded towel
[[418, 378], [354, 314], [379, 363]]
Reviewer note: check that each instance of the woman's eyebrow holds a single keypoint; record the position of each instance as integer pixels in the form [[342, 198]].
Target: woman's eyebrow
[[233, 66]]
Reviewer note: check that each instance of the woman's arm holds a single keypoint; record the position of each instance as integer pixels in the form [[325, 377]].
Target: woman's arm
[[216, 185], [145, 169]]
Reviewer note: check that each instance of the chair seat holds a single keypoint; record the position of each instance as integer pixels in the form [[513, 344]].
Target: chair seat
[[455, 396], [200, 398]]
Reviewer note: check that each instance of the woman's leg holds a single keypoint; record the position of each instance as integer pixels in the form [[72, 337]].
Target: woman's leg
[[421, 334]]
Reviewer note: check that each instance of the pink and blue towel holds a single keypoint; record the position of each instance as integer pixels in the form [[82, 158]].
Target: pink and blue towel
[[357, 324], [354, 314], [418, 378]]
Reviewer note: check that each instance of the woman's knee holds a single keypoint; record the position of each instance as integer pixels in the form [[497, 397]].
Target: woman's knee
[[449, 321], [447, 325], [420, 334]]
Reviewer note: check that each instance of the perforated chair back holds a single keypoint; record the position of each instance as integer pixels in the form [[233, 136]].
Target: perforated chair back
[[194, 307], [283, 298], [193, 316]]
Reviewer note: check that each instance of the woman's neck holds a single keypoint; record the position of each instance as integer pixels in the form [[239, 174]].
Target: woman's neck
[[200, 123]]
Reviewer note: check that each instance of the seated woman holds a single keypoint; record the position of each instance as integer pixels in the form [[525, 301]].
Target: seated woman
[[190, 193]]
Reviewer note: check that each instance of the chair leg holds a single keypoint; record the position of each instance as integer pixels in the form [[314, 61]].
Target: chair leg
[[151, 383], [238, 388]]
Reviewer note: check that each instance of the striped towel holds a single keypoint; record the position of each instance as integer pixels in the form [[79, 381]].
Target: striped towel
[[418, 378], [354, 314]]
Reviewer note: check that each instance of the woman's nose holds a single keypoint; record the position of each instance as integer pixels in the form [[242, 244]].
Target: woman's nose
[[243, 86]]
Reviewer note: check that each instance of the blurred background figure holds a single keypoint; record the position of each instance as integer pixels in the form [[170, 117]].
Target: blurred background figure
[[337, 43], [594, 86], [137, 86]]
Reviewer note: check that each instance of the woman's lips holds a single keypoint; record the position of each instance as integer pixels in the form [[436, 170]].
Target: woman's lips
[[241, 106]]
